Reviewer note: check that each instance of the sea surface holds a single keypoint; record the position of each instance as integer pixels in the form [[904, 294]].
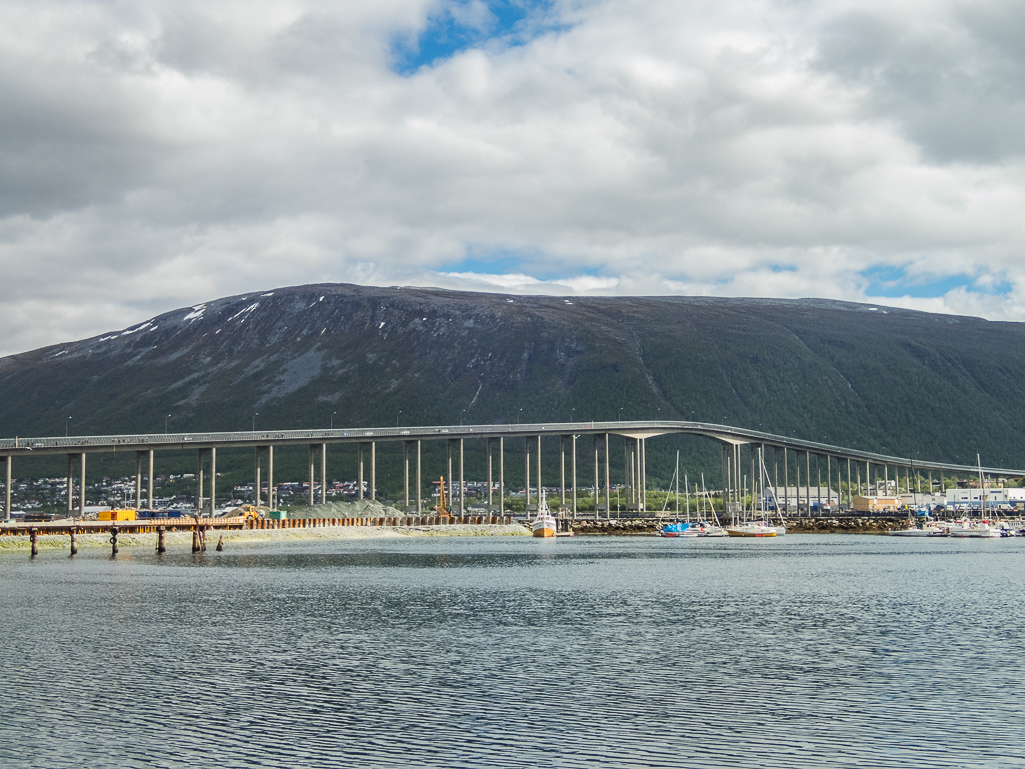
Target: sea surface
[[805, 651]]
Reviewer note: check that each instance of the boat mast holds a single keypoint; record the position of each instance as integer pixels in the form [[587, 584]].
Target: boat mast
[[982, 487], [686, 491]]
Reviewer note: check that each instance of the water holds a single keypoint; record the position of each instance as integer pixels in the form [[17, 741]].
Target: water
[[807, 651]]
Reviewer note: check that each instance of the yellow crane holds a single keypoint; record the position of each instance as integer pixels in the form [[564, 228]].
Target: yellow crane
[[441, 510]]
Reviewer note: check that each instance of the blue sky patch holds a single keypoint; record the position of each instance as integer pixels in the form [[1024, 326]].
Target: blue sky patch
[[535, 264], [459, 25], [890, 282]]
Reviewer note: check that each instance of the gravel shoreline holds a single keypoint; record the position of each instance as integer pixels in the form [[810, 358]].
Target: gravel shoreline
[[183, 539]]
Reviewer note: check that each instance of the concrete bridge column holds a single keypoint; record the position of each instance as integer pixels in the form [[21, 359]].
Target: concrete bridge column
[[724, 460], [808, 480], [309, 497], [797, 480], [596, 506], [539, 470], [462, 481], [272, 497], [829, 479], [450, 490], [258, 487], [786, 480], [608, 481], [138, 479], [70, 488], [405, 476], [7, 487], [526, 471], [199, 478], [628, 466], [574, 472], [323, 472], [419, 482], [562, 471], [490, 476], [150, 480], [738, 480], [501, 476], [359, 461], [213, 480], [81, 484], [644, 475]]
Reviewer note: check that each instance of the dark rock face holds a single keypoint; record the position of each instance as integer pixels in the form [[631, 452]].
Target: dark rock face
[[880, 379]]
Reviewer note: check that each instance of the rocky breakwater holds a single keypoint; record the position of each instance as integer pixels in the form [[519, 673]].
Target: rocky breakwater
[[616, 526], [840, 525]]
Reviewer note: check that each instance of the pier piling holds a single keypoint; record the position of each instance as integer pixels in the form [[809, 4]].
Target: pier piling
[[220, 543], [113, 540], [33, 536], [74, 541], [161, 547]]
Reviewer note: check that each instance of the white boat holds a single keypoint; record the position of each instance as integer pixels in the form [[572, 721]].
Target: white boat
[[973, 530], [691, 530], [685, 529], [923, 527], [982, 529], [760, 528], [928, 530], [754, 529], [544, 524]]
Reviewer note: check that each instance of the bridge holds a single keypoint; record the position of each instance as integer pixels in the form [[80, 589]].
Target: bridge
[[734, 441]]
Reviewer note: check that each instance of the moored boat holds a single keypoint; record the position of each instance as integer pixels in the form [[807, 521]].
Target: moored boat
[[544, 524], [973, 530], [753, 529]]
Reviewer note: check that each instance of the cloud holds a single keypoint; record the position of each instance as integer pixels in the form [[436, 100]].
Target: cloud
[[155, 156]]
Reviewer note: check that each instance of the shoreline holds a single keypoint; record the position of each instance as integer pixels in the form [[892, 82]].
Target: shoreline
[[183, 539]]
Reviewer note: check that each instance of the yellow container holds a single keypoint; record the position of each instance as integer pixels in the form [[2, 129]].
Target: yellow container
[[117, 515]]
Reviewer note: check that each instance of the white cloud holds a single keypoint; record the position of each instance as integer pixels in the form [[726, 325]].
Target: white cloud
[[159, 155]]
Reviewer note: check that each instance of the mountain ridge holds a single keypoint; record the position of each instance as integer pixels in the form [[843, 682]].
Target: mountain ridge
[[869, 376]]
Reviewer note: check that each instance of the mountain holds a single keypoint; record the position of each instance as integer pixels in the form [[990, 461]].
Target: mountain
[[881, 379]]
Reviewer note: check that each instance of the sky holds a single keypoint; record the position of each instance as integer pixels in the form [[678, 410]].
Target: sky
[[154, 155]]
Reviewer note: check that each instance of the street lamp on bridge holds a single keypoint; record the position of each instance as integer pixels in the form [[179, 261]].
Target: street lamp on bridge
[[67, 423], [254, 420], [165, 423], [333, 419]]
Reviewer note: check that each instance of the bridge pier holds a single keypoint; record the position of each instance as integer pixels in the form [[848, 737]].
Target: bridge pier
[[405, 475], [323, 472], [309, 499], [539, 472], [138, 479], [7, 487], [81, 484], [608, 480], [149, 481], [199, 479], [501, 476], [359, 473], [562, 472], [70, 487]]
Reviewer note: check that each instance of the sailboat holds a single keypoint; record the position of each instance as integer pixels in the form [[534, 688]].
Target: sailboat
[[981, 529], [702, 528], [759, 528], [544, 524]]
